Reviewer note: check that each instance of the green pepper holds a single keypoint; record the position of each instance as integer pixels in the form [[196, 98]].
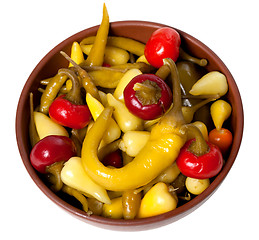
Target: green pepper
[[110, 77], [51, 92], [86, 80], [199, 61], [189, 74]]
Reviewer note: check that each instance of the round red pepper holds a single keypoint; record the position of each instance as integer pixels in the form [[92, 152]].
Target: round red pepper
[[69, 110], [68, 114], [163, 43], [147, 96], [113, 159], [204, 166], [51, 149]]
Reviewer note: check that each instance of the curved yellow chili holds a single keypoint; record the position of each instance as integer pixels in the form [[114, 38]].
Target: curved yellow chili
[[160, 151], [158, 154]]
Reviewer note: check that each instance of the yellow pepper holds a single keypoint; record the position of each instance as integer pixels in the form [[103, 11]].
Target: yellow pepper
[[202, 127], [76, 54], [112, 55], [213, 82], [114, 209], [220, 112], [106, 78], [196, 186], [96, 55], [156, 201], [161, 150], [74, 175], [142, 58], [127, 77], [113, 132], [125, 119], [188, 112], [45, 126], [133, 141]]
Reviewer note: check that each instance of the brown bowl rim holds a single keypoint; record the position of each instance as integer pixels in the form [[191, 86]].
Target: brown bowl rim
[[137, 224]]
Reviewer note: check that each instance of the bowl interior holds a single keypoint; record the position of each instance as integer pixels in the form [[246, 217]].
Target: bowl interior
[[140, 31]]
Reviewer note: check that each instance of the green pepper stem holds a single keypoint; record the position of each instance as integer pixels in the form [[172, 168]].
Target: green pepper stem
[[198, 147], [163, 72], [175, 115], [204, 102], [74, 95], [201, 62], [147, 92], [86, 80]]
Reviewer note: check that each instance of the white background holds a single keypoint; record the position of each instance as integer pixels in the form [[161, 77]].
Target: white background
[[29, 29]]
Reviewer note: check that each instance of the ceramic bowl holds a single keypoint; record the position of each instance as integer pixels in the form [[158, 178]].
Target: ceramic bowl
[[141, 31]]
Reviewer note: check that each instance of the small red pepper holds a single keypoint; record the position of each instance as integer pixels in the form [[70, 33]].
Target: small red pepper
[[199, 159], [163, 43], [147, 96], [113, 159], [222, 138], [67, 114], [69, 110], [51, 149]]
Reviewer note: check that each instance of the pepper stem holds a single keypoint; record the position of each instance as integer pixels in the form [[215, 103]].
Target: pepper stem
[[201, 62], [198, 147], [175, 115], [74, 95], [86, 80], [147, 92]]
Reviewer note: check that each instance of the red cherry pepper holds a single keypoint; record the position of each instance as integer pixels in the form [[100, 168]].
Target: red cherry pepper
[[163, 43], [113, 159], [51, 149], [67, 114], [69, 110], [147, 96], [199, 159]]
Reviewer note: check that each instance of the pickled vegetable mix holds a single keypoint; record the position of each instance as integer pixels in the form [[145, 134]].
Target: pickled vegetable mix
[[120, 129]]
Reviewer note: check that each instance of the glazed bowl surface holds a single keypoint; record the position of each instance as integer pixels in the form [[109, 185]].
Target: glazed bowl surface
[[141, 31]]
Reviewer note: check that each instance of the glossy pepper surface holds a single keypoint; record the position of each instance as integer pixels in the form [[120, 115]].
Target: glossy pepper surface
[[202, 166], [147, 96], [160, 151], [68, 114], [68, 110], [96, 55], [51, 149], [222, 138], [163, 43]]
